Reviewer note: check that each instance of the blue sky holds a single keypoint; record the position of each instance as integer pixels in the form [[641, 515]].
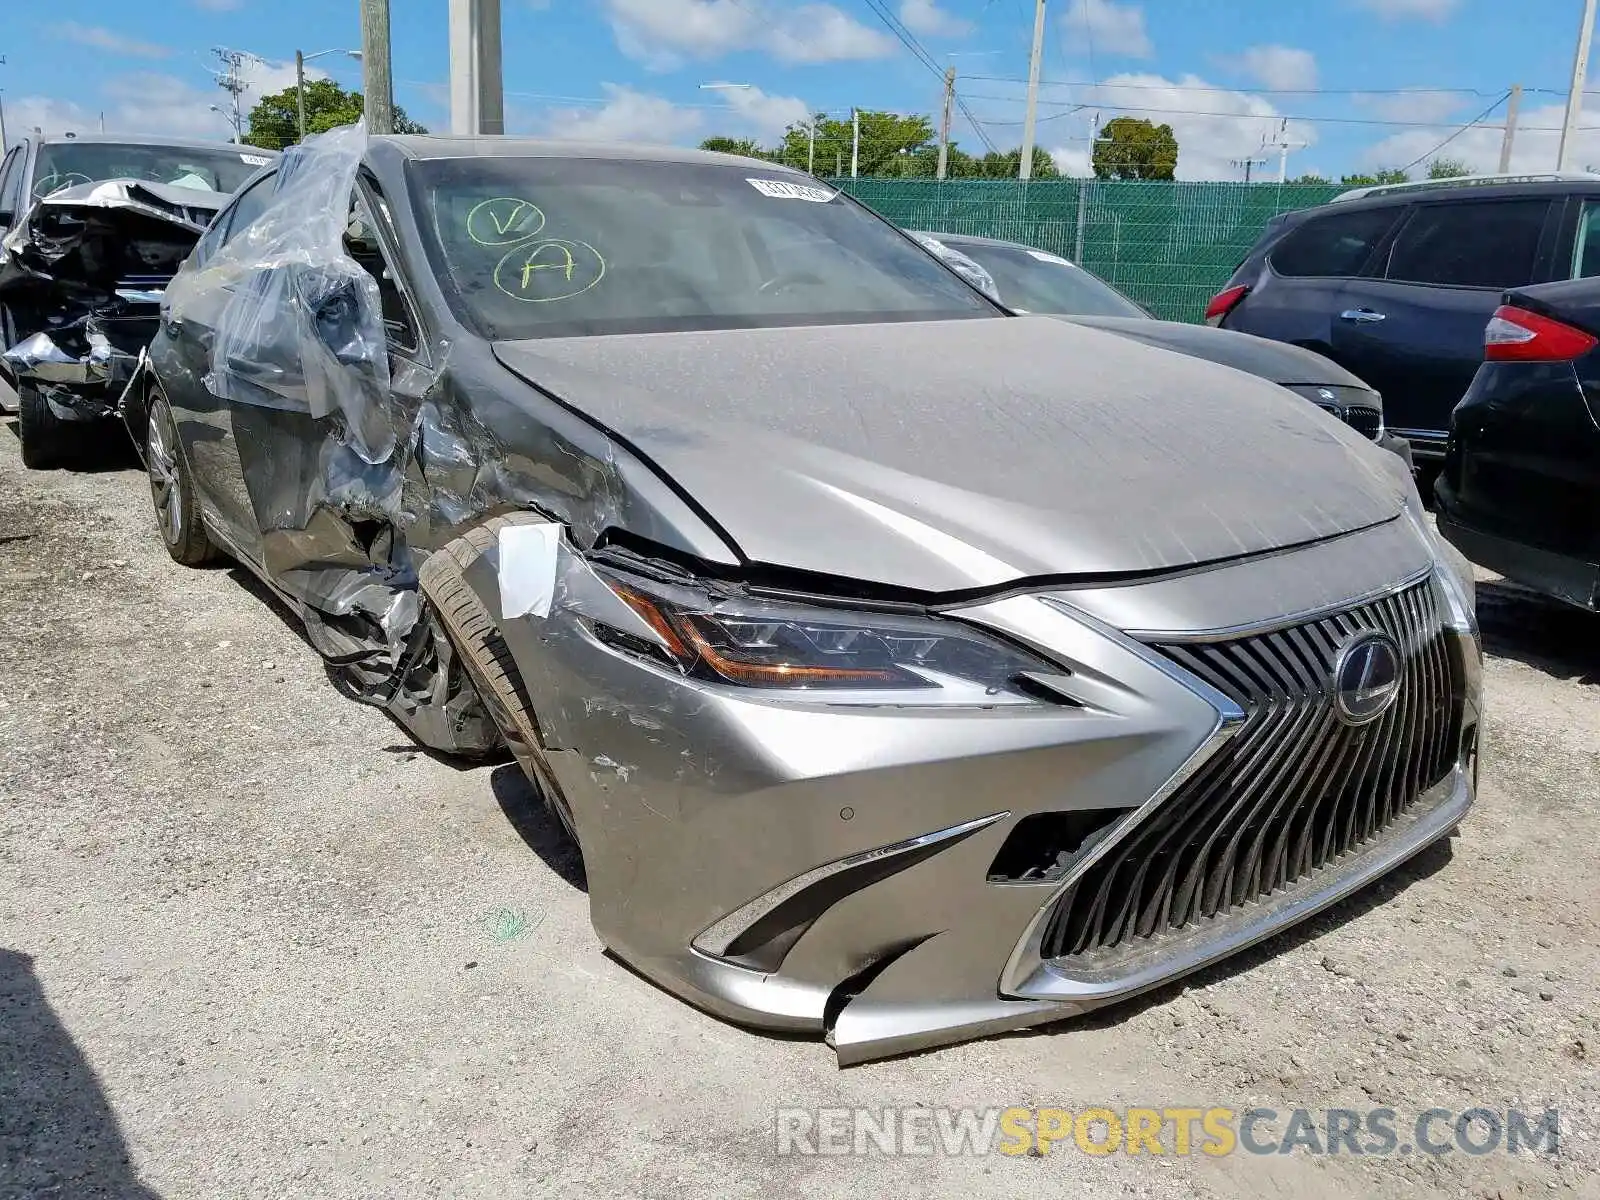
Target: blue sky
[[1353, 77]]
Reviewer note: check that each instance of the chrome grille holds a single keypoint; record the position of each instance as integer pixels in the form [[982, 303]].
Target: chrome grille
[[1291, 792], [1365, 421]]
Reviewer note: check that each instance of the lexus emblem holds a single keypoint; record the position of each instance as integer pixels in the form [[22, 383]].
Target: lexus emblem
[[1366, 677], [1326, 394]]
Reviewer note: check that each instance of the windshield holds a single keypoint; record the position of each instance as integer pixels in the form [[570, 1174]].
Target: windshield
[[555, 247], [1043, 283], [69, 164]]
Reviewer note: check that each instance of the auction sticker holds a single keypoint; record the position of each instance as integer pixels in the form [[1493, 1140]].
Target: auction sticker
[[1050, 258], [782, 189], [254, 160]]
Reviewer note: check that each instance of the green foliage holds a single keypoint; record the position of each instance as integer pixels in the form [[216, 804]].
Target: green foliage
[[1450, 168], [1385, 175], [1135, 148], [748, 147], [274, 121], [1311, 179], [883, 136]]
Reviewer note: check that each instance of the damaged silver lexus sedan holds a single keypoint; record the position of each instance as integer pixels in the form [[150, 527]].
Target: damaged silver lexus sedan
[[905, 669]]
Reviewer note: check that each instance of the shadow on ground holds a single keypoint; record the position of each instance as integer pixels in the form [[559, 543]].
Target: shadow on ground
[[58, 1135], [1555, 638], [536, 825]]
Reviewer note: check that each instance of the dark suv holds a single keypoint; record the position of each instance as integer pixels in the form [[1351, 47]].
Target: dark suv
[[1396, 283]]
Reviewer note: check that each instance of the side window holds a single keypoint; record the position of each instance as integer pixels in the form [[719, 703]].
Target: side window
[[363, 243], [247, 209], [1586, 246], [1334, 245], [10, 185], [1487, 244]]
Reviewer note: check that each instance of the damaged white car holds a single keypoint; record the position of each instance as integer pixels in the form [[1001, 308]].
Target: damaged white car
[[905, 669], [91, 230]]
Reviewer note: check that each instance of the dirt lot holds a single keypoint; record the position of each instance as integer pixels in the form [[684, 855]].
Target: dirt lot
[[253, 944]]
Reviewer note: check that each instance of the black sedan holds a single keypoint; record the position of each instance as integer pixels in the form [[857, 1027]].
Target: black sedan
[[1026, 279], [1520, 488]]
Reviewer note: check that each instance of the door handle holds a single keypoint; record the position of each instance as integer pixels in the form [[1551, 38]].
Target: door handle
[[1362, 316]]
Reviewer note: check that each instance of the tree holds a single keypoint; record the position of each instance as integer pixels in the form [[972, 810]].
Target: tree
[[274, 121], [1311, 179], [1135, 148], [1449, 168], [1383, 175], [748, 147], [883, 136]]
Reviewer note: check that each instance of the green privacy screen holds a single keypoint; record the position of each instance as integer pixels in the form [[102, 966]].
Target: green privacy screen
[[1170, 246]]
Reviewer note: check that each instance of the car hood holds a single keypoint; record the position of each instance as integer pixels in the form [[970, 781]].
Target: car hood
[[1278, 361], [951, 455]]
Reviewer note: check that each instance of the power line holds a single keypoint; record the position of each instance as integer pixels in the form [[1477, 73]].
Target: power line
[[1254, 91], [1457, 133], [910, 42]]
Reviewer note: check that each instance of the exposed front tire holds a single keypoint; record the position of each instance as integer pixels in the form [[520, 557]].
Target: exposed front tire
[[47, 440], [172, 491], [487, 657]]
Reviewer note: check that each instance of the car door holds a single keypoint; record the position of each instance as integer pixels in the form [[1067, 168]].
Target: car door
[[1299, 295], [13, 177], [289, 456], [190, 312], [1415, 332]]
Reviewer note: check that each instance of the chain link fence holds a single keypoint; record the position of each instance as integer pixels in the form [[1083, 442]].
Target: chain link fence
[[1170, 246]]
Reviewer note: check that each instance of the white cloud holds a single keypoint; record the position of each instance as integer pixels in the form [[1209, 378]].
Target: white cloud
[[1537, 141], [1104, 27], [151, 102], [1395, 10], [926, 19], [1413, 105], [1278, 67], [102, 38], [766, 117], [1213, 125], [663, 33], [627, 116]]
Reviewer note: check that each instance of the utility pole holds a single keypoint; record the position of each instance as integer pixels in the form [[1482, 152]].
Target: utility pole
[[811, 146], [300, 92], [376, 78], [232, 82], [1249, 165], [1513, 104], [2, 114], [1283, 145], [477, 91], [855, 141], [1025, 169], [1580, 77], [944, 123]]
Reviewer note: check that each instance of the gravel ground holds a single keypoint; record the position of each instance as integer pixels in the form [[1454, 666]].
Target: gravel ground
[[254, 944]]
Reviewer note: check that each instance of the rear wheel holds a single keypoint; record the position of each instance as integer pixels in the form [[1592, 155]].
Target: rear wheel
[[487, 657], [172, 491], [47, 440]]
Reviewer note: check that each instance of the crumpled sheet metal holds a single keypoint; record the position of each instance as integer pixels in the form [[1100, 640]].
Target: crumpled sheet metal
[[963, 265], [40, 357]]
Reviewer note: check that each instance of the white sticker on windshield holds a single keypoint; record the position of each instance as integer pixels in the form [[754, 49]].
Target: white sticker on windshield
[[1050, 258], [254, 160], [782, 189]]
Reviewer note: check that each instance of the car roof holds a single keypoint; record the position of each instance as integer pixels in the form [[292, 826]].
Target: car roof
[[1475, 191], [138, 139], [428, 146]]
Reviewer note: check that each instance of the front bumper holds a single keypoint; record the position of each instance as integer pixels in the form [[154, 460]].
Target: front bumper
[[836, 870]]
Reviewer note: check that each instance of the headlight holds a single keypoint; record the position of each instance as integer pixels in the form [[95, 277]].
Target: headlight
[[1451, 569], [757, 643]]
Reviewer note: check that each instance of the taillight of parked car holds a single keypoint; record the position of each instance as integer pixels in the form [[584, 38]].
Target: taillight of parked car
[[1517, 335], [1224, 302]]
